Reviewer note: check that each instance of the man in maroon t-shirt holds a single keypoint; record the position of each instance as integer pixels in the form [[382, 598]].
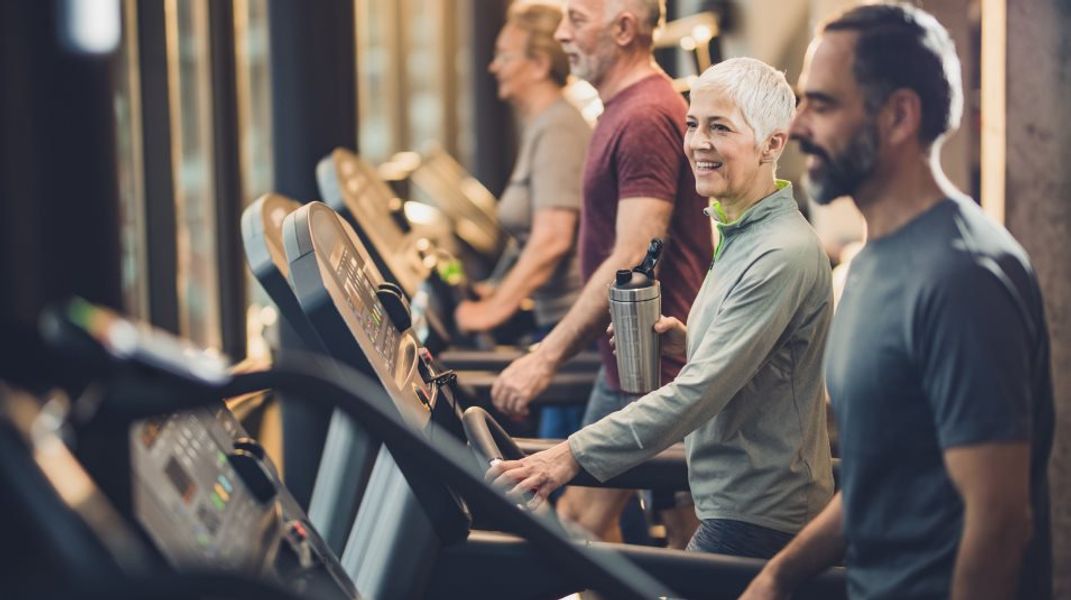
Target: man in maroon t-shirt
[[637, 186]]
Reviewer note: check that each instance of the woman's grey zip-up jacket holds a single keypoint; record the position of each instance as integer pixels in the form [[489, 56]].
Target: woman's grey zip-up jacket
[[749, 403]]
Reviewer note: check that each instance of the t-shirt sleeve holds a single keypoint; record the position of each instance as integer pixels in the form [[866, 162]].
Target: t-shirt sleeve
[[557, 164], [649, 156], [973, 345], [740, 339]]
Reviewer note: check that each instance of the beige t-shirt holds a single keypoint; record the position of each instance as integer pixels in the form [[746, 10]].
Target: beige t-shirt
[[547, 175]]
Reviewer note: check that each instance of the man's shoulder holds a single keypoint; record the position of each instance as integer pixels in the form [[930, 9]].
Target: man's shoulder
[[645, 125], [961, 243], [649, 99]]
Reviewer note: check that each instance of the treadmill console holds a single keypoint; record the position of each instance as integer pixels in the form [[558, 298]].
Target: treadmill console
[[208, 498], [202, 490], [361, 318], [262, 239], [262, 224], [189, 499], [443, 183], [352, 187]]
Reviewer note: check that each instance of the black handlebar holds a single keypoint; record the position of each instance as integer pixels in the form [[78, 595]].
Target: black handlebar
[[487, 437]]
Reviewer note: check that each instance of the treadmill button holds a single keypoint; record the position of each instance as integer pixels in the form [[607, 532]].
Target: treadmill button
[[424, 366], [422, 396]]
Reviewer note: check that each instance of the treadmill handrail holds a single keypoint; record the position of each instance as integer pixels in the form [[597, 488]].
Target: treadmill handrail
[[696, 574], [366, 402], [487, 437], [667, 470], [564, 388], [496, 359]]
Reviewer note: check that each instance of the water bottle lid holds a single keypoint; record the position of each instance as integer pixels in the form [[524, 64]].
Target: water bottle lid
[[632, 280], [638, 288]]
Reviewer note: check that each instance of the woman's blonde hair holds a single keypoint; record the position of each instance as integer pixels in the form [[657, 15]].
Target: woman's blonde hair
[[540, 21]]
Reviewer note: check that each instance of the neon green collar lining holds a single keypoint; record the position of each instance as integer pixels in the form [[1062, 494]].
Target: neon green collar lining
[[722, 219]]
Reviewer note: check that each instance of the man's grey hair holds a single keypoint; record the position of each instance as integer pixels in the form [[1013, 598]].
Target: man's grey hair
[[651, 13], [761, 92]]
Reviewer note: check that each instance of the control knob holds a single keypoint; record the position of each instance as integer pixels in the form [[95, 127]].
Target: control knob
[[395, 304], [248, 462]]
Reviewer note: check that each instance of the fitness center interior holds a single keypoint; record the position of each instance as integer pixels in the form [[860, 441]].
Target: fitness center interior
[[236, 241]]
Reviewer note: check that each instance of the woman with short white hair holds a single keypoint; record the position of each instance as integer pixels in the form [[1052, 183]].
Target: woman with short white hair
[[749, 400]]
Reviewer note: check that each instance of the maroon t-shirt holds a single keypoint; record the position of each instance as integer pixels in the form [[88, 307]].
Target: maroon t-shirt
[[637, 150]]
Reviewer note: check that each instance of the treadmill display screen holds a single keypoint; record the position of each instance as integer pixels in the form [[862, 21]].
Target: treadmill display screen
[[361, 299], [374, 202], [179, 478]]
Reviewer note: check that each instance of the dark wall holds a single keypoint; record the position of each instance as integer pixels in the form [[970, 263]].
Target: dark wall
[[59, 211], [314, 90], [1038, 214], [495, 137]]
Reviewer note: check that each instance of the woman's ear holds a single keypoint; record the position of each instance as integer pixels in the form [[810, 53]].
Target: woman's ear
[[541, 61], [773, 147]]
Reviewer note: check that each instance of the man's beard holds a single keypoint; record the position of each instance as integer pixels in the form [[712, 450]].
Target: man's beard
[[841, 175], [592, 67]]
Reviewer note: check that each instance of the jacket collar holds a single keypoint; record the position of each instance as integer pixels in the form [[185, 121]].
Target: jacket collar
[[775, 203], [778, 202]]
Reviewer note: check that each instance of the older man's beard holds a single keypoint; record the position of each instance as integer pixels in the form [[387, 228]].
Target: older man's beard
[[841, 175], [592, 67]]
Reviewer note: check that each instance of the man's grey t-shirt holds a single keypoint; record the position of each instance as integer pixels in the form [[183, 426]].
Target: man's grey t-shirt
[[547, 175], [939, 341]]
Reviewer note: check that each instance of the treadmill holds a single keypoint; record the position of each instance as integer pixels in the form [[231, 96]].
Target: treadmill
[[354, 451], [213, 507], [338, 286], [181, 492], [262, 238], [348, 455], [437, 179], [351, 187]]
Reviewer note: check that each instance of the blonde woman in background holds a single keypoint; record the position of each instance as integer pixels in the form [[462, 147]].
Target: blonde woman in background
[[541, 205]]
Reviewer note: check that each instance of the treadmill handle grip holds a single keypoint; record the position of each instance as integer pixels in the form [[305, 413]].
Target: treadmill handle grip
[[487, 437]]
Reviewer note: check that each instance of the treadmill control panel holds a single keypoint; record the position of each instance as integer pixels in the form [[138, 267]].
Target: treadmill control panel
[[203, 506], [442, 183], [361, 298], [262, 240], [340, 289], [201, 489], [187, 487], [351, 186]]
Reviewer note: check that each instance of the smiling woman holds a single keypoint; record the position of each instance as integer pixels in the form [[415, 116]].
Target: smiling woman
[[751, 390], [737, 128]]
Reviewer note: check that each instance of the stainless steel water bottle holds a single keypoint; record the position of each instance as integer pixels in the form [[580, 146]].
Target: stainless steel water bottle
[[635, 305]]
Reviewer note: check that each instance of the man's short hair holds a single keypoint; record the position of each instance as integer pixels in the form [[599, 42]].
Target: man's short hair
[[539, 21], [761, 93], [900, 46]]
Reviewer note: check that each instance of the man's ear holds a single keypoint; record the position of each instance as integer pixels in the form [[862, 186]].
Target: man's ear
[[625, 28], [773, 147], [901, 117]]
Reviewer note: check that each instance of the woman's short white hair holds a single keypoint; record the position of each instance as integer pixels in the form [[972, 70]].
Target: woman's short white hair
[[761, 92]]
